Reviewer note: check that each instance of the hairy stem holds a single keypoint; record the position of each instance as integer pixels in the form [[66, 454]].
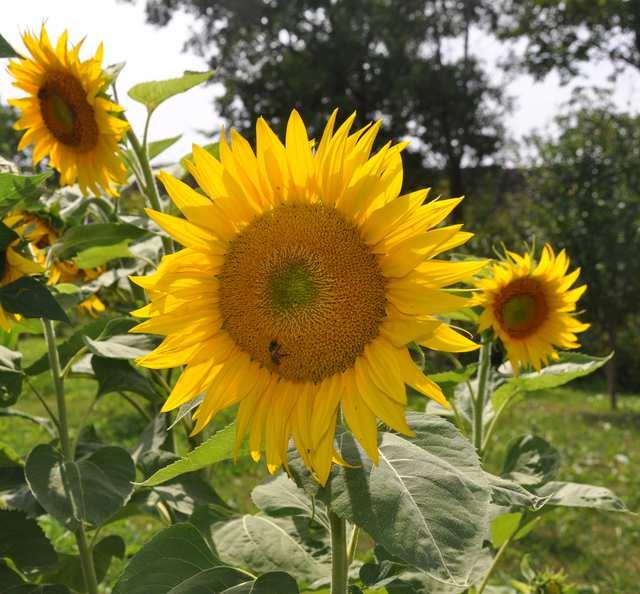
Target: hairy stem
[[484, 366], [339, 560], [86, 558]]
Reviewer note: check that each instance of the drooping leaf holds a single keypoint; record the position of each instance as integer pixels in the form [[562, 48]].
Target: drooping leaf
[[101, 254], [426, 502], [530, 461], [27, 297], [262, 544], [80, 238], [570, 366], [6, 51], [565, 494], [91, 489], [215, 449], [169, 559], [10, 376], [122, 346], [280, 496], [23, 541], [117, 375], [152, 437], [512, 495], [153, 93], [157, 147]]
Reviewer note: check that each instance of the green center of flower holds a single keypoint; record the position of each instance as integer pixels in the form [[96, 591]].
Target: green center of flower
[[519, 310], [292, 288]]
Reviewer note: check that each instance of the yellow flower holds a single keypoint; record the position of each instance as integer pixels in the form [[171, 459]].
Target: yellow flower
[[66, 115], [12, 267], [303, 278], [531, 306], [32, 228], [92, 305]]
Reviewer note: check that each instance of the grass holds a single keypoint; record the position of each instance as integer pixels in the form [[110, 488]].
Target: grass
[[597, 446]]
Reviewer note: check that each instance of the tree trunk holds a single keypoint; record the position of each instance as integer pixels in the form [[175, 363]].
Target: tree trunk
[[456, 186], [611, 372]]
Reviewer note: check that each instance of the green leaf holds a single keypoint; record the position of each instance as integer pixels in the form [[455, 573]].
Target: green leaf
[[15, 188], [10, 376], [570, 366], [427, 501], [97, 256], [93, 488], [216, 580], [563, 494], [153, 93], [116, 375], [275, 581], [157, 147], [506, 493], [215, 449], [262, 544], [72, 345], [6, 51], [122, 346], [7, 237], [23, 541], [169, 559], [530, 461], [12, 583], [503, 527], [279, 496], [80, 238], [11, 469], [27, 297]]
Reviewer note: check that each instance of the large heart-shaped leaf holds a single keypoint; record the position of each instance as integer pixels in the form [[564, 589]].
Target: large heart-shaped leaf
[[177, 561], [23, 541], [426, 502], [92, 489], [263, 544]]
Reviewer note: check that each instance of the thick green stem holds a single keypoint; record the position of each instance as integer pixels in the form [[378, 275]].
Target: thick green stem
[[150, 189], [339, 559], [86, 558], [484, 367]]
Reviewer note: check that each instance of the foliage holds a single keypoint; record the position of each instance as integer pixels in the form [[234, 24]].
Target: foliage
[[596, 160]]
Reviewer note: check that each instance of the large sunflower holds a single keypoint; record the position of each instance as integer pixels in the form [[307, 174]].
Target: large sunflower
[[66, 115], [531, 307], [304, 277]]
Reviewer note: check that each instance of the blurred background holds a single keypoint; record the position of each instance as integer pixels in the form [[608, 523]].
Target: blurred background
[[527, 107]]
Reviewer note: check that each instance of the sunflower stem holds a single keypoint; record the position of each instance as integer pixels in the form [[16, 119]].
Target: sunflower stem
[[150, 187], [339, 557], [86, 558], [484, 367]]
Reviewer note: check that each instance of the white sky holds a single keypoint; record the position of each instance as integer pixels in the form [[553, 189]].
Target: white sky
[[155, 53]]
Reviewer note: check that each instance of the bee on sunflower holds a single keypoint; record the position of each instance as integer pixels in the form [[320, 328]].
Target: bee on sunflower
[[66, 114], [530, 306], [304, 276]]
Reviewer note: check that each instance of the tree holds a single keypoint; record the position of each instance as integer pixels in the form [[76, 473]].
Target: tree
[[9, 137], [409, 62], [562, 35], [588, 188]]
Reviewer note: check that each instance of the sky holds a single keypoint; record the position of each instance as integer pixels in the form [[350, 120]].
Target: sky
[[154, 53]]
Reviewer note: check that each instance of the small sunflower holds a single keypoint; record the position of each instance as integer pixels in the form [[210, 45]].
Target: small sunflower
[[304, 277], [12, 267], [66, 115], [530, 306]]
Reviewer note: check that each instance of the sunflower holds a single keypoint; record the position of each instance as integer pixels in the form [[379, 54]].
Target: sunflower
[[304, 275], [66, 115], [12, 267], [531, 307]]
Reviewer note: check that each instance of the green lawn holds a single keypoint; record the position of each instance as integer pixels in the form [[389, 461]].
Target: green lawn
[[597, 446]]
